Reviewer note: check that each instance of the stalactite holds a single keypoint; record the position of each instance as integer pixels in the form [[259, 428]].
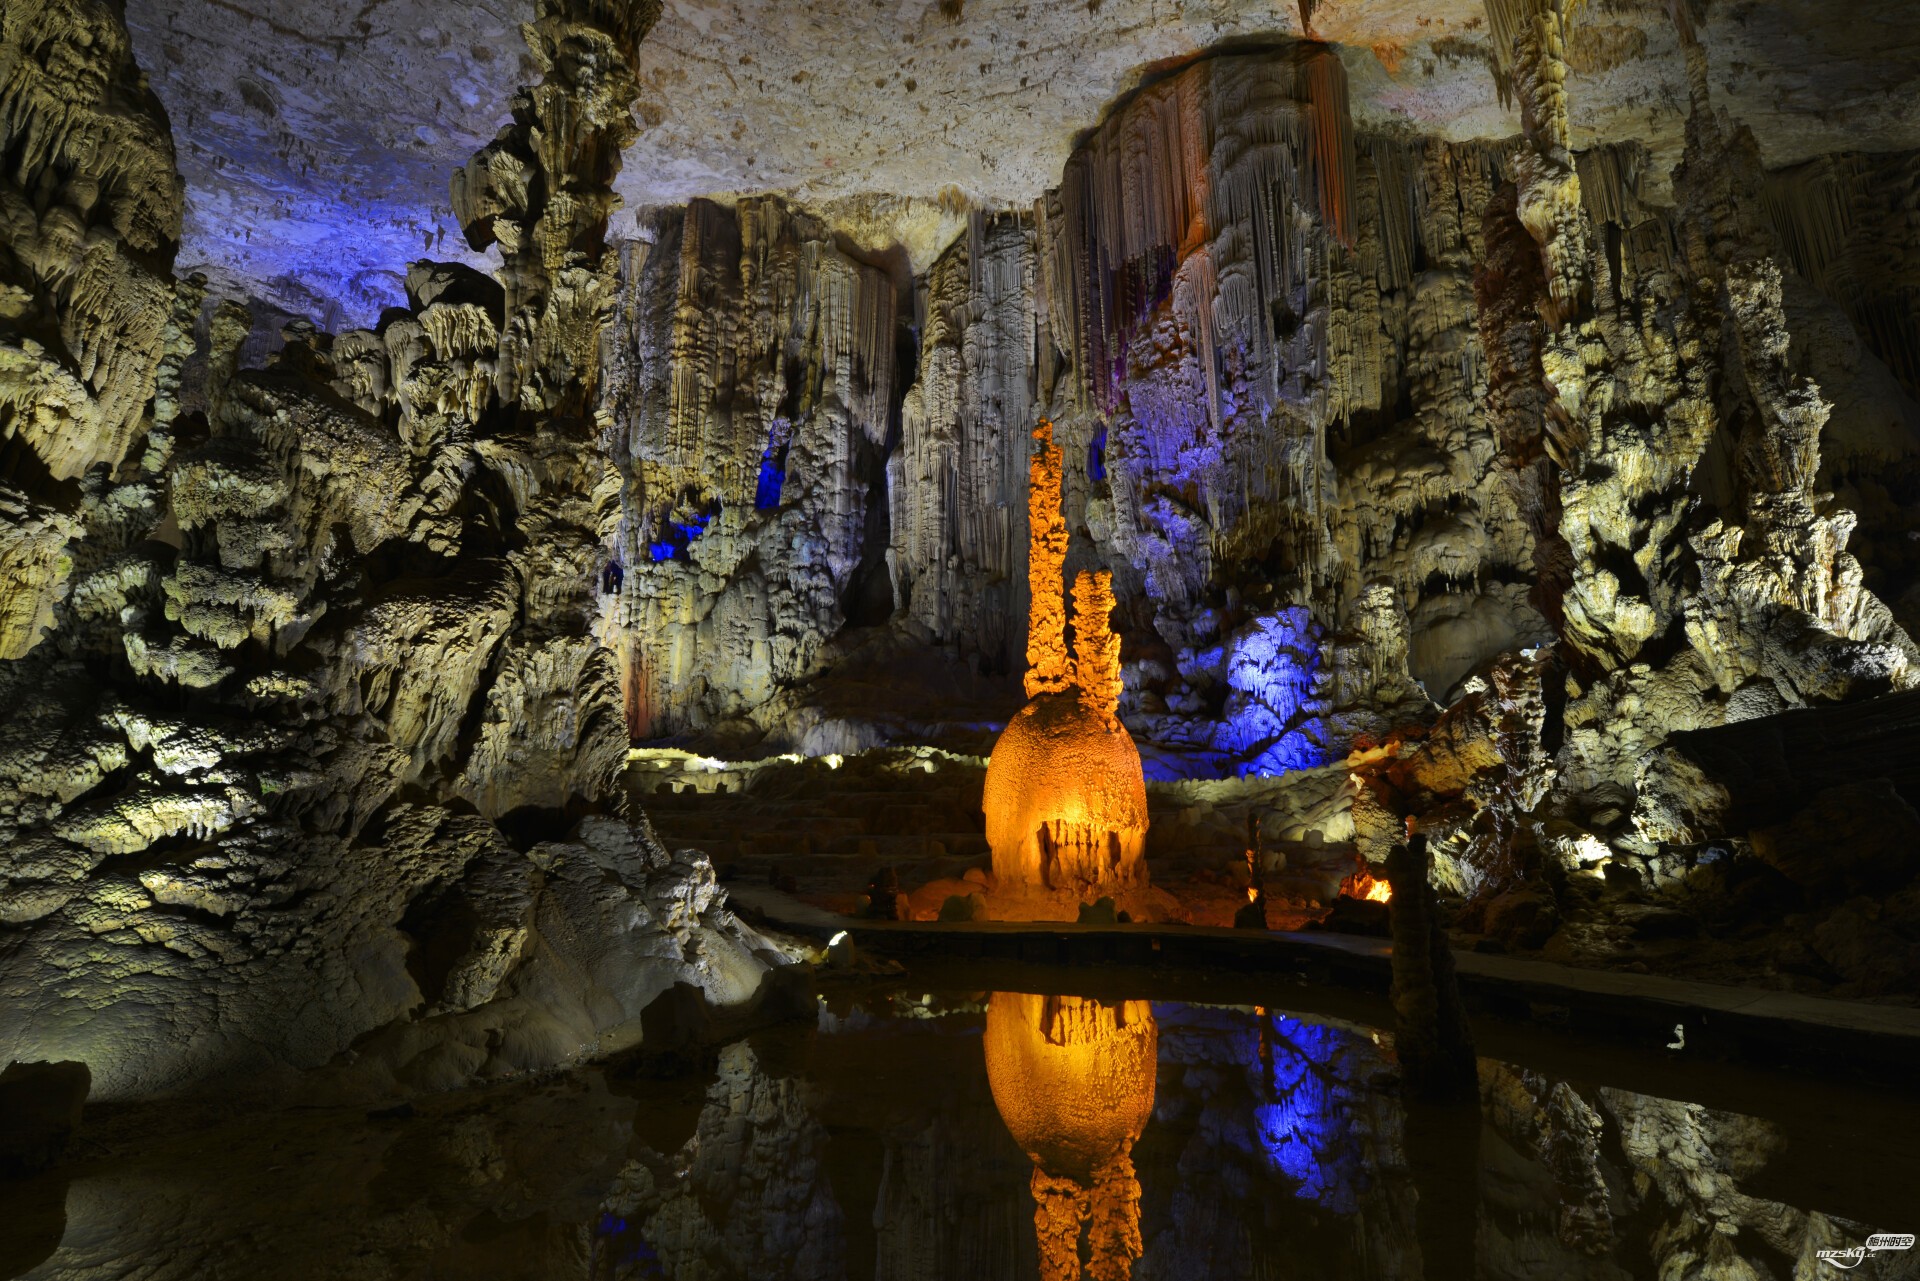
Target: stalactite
[[1846, 225], [956, 485], [1533, 34], [1509, 288], [92, 206], [1154, 183], [1395, 166], [751, 401], [1610, 183], [1332, 123]]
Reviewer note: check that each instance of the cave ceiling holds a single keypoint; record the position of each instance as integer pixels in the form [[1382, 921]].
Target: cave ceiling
[[316, 136]]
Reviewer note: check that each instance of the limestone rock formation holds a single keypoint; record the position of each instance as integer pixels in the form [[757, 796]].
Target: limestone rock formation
[[91, 215], [1065, 798], [304, 759], [746, 1195], [1282, 536], [1453, 463], [750, 393]]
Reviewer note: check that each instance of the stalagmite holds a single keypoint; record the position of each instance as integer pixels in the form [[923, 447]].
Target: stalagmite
[[1096, 650], [1065, 798], [1048, 669], [1430, 1024], [864, 463]]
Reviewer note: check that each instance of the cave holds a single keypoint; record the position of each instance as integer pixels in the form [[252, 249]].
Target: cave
[[971, 639]]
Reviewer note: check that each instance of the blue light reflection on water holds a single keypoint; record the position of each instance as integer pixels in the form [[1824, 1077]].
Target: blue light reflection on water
[[1304, 1102], [1306, 1130]]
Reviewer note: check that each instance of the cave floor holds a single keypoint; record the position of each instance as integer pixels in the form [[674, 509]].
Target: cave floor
[[820, 828], [868, 1142]]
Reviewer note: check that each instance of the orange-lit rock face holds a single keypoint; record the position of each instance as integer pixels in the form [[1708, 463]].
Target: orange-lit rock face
[[1073, 1079], [1361, 883], [1048, 670], [1065, 800]]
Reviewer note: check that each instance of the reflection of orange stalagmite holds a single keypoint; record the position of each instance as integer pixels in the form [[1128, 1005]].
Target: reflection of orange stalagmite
[[1073, 1079], [1065, 799]]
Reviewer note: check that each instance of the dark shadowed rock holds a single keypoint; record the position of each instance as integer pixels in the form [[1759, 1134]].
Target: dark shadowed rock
[[40, 1107], [1524, 917], [1857, 837]]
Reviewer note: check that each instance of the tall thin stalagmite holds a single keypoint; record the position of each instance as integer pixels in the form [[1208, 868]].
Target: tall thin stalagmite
[[1047, 668], [1096, 650], [1430, 1023]]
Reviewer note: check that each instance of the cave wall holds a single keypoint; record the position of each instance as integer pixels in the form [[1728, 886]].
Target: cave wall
[[1258, 335], [1665, 432], [303, 704], [752, 398], [1350, 416], [91, 207], [310, 667]]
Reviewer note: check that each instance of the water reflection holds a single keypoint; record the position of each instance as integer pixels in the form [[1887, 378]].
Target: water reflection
[[911, 1136], [1073, 1080], [1309, 1108]]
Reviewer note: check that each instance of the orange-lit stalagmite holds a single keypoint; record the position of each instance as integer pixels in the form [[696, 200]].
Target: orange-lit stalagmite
[[1047, 667], [1065, 800], [1096, 650], [1073, 1079]]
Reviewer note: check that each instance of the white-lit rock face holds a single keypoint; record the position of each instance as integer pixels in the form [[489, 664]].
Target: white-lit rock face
[[281, 663], [316, 137]]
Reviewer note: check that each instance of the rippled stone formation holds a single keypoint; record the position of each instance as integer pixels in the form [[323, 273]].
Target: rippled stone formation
[[283, 648]]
